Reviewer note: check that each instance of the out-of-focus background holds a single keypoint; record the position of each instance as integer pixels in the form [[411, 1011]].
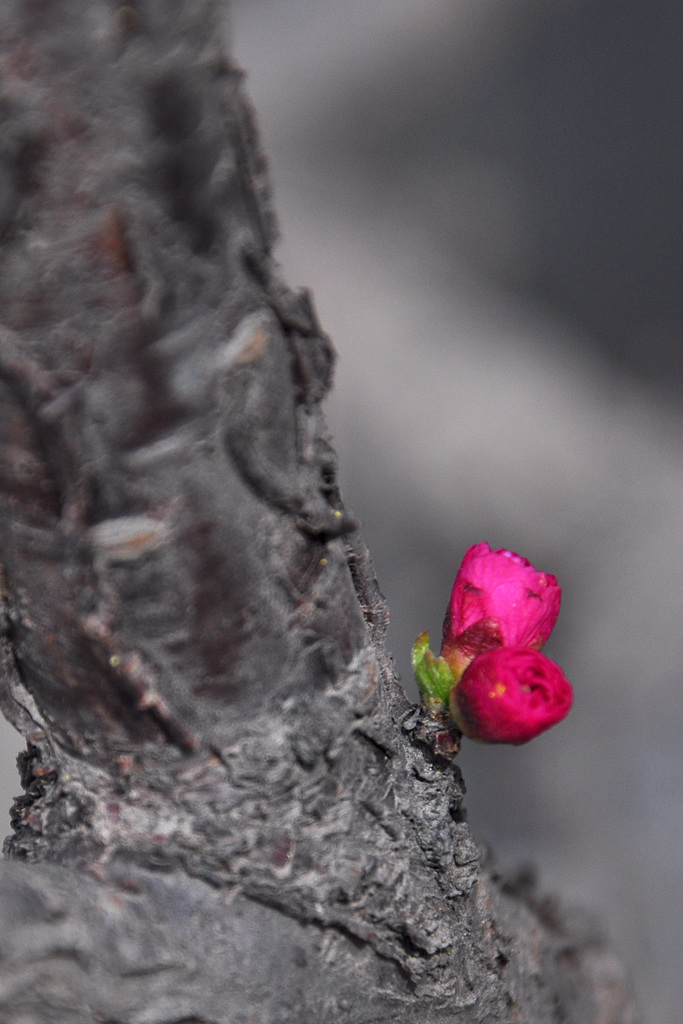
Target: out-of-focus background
[[486, 197]]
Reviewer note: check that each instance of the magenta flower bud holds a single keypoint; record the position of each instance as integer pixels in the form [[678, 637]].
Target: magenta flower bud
[[510, 695], [498, 599]]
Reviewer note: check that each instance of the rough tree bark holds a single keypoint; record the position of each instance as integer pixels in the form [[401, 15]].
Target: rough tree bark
[[231, 811]]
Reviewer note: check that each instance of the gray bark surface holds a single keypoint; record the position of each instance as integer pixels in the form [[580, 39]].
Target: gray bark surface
[[231, 811]]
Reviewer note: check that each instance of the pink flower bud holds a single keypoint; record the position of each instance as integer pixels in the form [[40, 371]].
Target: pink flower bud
[[498, 599], [510, 695]]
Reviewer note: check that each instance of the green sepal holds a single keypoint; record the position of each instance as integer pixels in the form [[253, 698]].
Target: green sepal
[[434, 677]]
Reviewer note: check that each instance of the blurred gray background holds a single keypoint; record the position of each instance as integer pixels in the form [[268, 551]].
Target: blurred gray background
[[487, 201]]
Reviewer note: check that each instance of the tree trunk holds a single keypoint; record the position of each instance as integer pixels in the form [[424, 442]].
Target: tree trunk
[[231, 811]]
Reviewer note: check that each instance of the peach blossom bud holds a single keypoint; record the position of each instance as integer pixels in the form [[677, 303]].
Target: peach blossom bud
[[510, 695]]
